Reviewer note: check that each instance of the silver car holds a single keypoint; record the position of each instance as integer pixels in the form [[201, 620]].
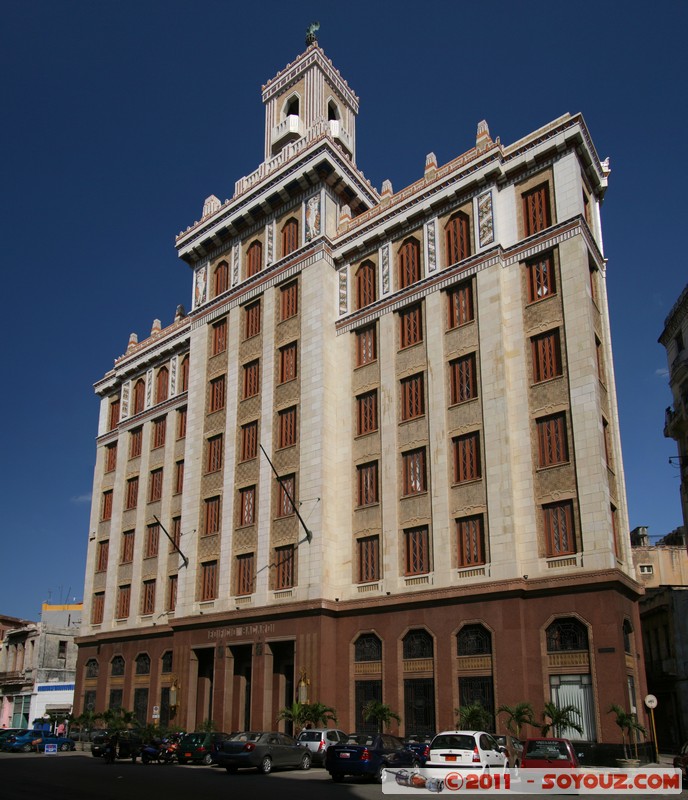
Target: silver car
[[317, 740]]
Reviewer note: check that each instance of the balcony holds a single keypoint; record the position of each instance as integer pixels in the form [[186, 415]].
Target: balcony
[[15, 678], [340, 135], [289, 130], [679, 367], [675, 423]]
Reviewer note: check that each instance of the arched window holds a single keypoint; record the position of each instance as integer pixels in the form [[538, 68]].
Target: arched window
[[409, 263], [292, 107], [365, 284], [221, 278], [117, 666], [418, 644], [458, 238], [254, 258], [139, 395], [166, 662], [92, 668], [290, 236], [184, 375], [566, 634], [474, 640], [162, 385], [143, 664], [627, 634], [368, 648], [332, 111]]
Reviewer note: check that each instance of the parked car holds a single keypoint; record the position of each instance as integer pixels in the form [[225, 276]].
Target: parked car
[[468, 750], [514, 749], [549, 754], [26, 741], [317, 740], [5, 733], [128, 744], [368, 754], [264, 751], [420, 744], [200, 747], [681, 762]]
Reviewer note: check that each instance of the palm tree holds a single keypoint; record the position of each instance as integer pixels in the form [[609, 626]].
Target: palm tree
[[629, 727], [380, 713], [473, 717], [86, 722], [517, 716], [560, 719], [118, 719], [208, 725], [295, 713], [318, 714]]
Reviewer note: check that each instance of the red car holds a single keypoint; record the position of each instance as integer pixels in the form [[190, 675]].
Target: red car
[[549, 754]]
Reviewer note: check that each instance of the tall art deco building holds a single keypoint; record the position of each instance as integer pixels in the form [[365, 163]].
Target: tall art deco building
[[429, 373]]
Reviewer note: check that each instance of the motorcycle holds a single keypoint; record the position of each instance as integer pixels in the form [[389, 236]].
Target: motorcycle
[[152, 753]]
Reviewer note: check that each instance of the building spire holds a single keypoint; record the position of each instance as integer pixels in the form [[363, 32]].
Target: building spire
[[310, 33]]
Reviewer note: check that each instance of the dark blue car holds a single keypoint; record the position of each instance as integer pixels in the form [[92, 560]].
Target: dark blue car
[[29, 741], [368, 754]]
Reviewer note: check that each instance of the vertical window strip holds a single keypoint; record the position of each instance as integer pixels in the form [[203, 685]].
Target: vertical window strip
[[462, 379], [367, 484], [552, 440], [458, 238], [460, 305], [284, 567], [209, 580], [367, 412], [559, 535], [467, 457], [249, 441], [471, 542], [245, 570], [368, 559], [415, 481], [366, 346], [417, 554]]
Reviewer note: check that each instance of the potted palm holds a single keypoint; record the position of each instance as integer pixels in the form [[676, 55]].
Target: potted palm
[[630, 728], [517, 717], [473, 717], [380, 713], [559, 719]]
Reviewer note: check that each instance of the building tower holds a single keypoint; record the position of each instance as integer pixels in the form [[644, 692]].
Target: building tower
[[430, 375]]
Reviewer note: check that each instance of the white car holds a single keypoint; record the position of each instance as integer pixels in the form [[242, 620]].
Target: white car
[[468, 750]]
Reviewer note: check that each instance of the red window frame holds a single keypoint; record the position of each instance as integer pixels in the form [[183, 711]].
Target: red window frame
[[536, 209], [463, 385], [287, 427], [414, 470], [368, 548], [467, 463], [155, 492], [546, 354], [559, 529], [215, 453], [458, 238], [176, 533], [417, 551], [132, 497], [216, 398], [113, 417], [249, 440], [106, 509], [410, 326], [460, 309], [541, 280], [152, 540], [208, 580], [251, 379], [290, 236], [184, 374], [172, 583], [181, 423], [103, 555], [366, 345], [148, 600], [284, 567], [289, 300], [366, 293], [367, 484], [159, 432], [245, 573], [179, 477], [470, 535], [138, 399], [252, 319], [409, 262], [162, 385], [98, 609], [552, 440], [412, 397], [123, 601], [111, 457], [221, 278], [366, 413], [247, 505], [219, 344], [128, 539], [254, 259], [286, 492], [211, 518], [288, 362]]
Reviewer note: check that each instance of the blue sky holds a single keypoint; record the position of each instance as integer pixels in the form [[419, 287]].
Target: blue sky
[[120, 118]]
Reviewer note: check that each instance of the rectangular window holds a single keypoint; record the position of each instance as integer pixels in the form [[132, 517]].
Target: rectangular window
[[103, 552], [159, 431], [219, 343], [368, 559], [600, 362], [552, 441], [132, 493], [541, 282], [249, 440], [288, 362], [546, 353], [176, 533], [215, 451], [606, 433], [414, 473], [559, 535], [106, 510], [366, 406], [289, 300], [212, 515], [470, 541], [251, 379], [244, 574], [152, 540], [366, 345], [181, 423], [460, 305], [252, 319], [123, 600], [98, 608], [254, 258], [113, 418], [411, 326], [127, 547], [412, 397], [416, 547], [179, 477], [536, 211], [111, 457], [286, 493], [284, 567], [287, 427], [467, 457], [148, 599], [462, 380], [216, 400], [172, 582], [366, 479], [135, 442], [209, 580], [247, 505], [155, 485]]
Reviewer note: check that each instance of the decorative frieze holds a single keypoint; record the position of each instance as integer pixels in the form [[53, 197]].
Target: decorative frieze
[[485, 220], [343, 290], [200, 286]]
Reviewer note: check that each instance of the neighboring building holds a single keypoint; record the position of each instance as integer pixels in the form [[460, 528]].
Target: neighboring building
[[674, 338], [663, 569], [37, 665], [430, 372]]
